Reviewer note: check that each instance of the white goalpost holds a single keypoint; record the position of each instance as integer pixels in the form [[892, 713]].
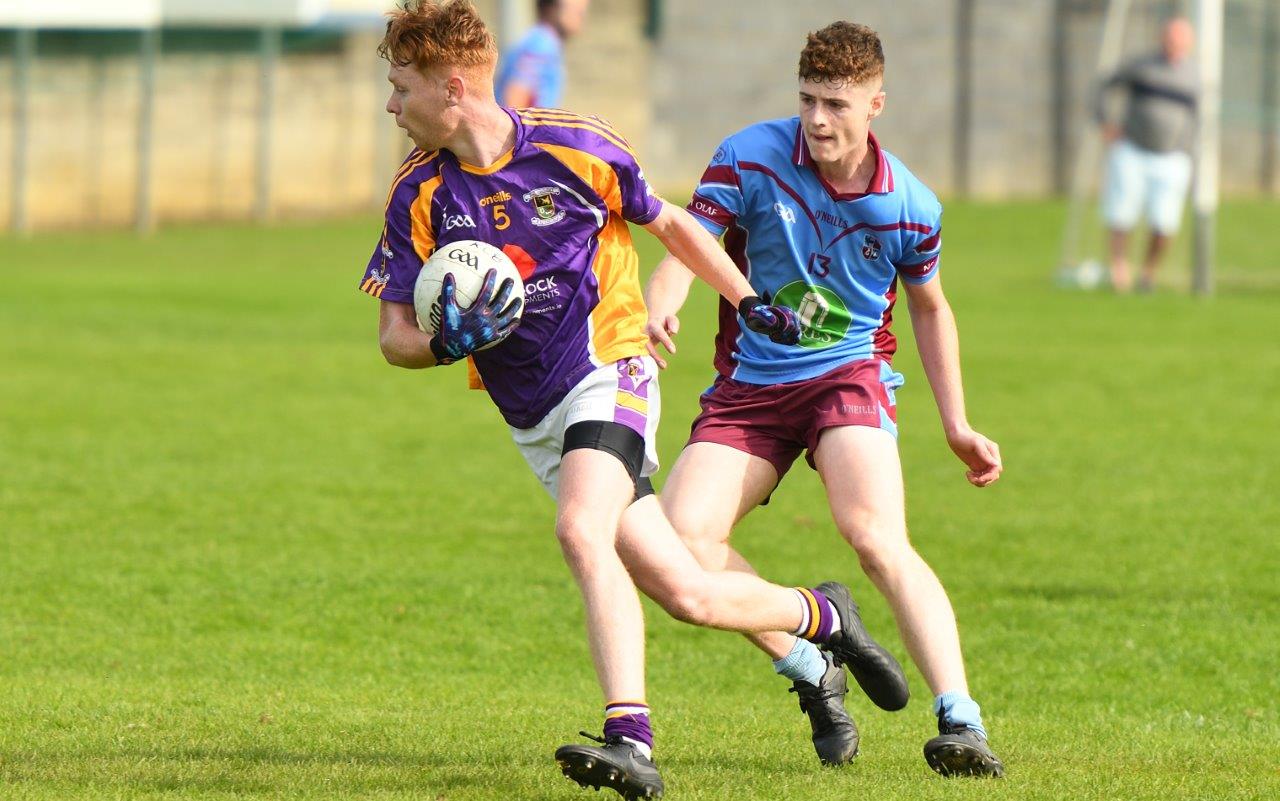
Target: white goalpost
[[1090, 150], [1208, 23]]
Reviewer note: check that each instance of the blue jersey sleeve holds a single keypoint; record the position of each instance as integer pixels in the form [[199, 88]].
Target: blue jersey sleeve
[[922, 245], [718, 201], [535, 64]]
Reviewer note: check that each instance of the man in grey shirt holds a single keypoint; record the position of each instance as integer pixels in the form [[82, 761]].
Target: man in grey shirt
[[1149, 164]]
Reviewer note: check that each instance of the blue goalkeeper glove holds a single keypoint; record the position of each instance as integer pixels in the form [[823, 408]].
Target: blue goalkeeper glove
[[779, 323], [489, 318]]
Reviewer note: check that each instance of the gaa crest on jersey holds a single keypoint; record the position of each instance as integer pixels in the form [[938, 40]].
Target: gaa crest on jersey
[[870, 248], [544, 205]]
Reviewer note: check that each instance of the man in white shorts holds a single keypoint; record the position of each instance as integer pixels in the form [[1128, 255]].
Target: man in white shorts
[[1149, 165]]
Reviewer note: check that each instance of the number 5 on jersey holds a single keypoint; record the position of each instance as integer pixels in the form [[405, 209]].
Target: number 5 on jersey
[[501, 221]]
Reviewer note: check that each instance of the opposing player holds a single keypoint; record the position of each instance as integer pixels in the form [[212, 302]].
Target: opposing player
[[555, 190], [821, 219]]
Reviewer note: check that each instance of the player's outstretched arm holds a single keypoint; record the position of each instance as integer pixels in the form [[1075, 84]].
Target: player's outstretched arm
[[934, 325], [665, 295], [689, 242], [699, 251]]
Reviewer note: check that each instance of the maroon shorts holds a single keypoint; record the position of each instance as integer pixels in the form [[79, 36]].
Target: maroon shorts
[[778, 421]]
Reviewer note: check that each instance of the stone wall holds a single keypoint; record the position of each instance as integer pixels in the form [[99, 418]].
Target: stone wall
[[722, 65], [715, 67]]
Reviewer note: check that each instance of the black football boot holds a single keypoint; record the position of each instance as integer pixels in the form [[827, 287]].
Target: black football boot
[[876, 671], [835, 736], [615, 763], [961, 751]]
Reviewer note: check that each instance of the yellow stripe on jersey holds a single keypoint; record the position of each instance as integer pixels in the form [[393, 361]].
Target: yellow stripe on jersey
[[571, 116], [424, 239], [612, 139], [474, 381], [597, 172], [617, 321], [411, 164]]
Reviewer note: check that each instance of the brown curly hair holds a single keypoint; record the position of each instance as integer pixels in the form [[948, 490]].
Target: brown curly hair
[[427, 33], [842, 52]]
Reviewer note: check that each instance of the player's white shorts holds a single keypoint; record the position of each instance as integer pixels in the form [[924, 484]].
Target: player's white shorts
[[625, 392], [1138, 178]]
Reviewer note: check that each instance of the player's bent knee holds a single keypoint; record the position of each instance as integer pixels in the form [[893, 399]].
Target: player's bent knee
[[698, 528], [712, 554], [877, 563], [881, 550]]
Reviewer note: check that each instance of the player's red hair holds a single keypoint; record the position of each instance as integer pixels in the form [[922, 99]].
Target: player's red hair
[[842, 52], [427, 33]]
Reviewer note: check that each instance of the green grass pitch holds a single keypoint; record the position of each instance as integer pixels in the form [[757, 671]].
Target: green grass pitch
[[241, 557]]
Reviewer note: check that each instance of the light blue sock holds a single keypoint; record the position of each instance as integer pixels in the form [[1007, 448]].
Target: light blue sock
[[958, 709], [804, 663]]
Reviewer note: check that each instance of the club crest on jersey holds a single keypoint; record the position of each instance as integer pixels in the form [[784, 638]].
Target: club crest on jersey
[[870, 248], [544, 205]]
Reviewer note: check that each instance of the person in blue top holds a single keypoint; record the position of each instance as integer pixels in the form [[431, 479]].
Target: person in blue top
[[531, 72], [822, 219]]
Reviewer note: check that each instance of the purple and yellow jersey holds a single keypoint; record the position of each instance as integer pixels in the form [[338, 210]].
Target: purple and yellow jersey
[[558, 204], [835, 258]]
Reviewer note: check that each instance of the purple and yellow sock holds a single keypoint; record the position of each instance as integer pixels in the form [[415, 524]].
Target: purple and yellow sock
[[819, 617], [630, 721]]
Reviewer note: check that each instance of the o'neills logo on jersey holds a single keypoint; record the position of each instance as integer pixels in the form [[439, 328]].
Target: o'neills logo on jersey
[[544, 204], [501, 196]]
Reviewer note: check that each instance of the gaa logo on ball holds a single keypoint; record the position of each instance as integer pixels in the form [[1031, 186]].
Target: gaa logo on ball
[[468, 260]]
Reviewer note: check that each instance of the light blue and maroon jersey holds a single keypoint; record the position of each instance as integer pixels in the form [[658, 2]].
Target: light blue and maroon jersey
[[535, 62], [558, 204], [834, 258]]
